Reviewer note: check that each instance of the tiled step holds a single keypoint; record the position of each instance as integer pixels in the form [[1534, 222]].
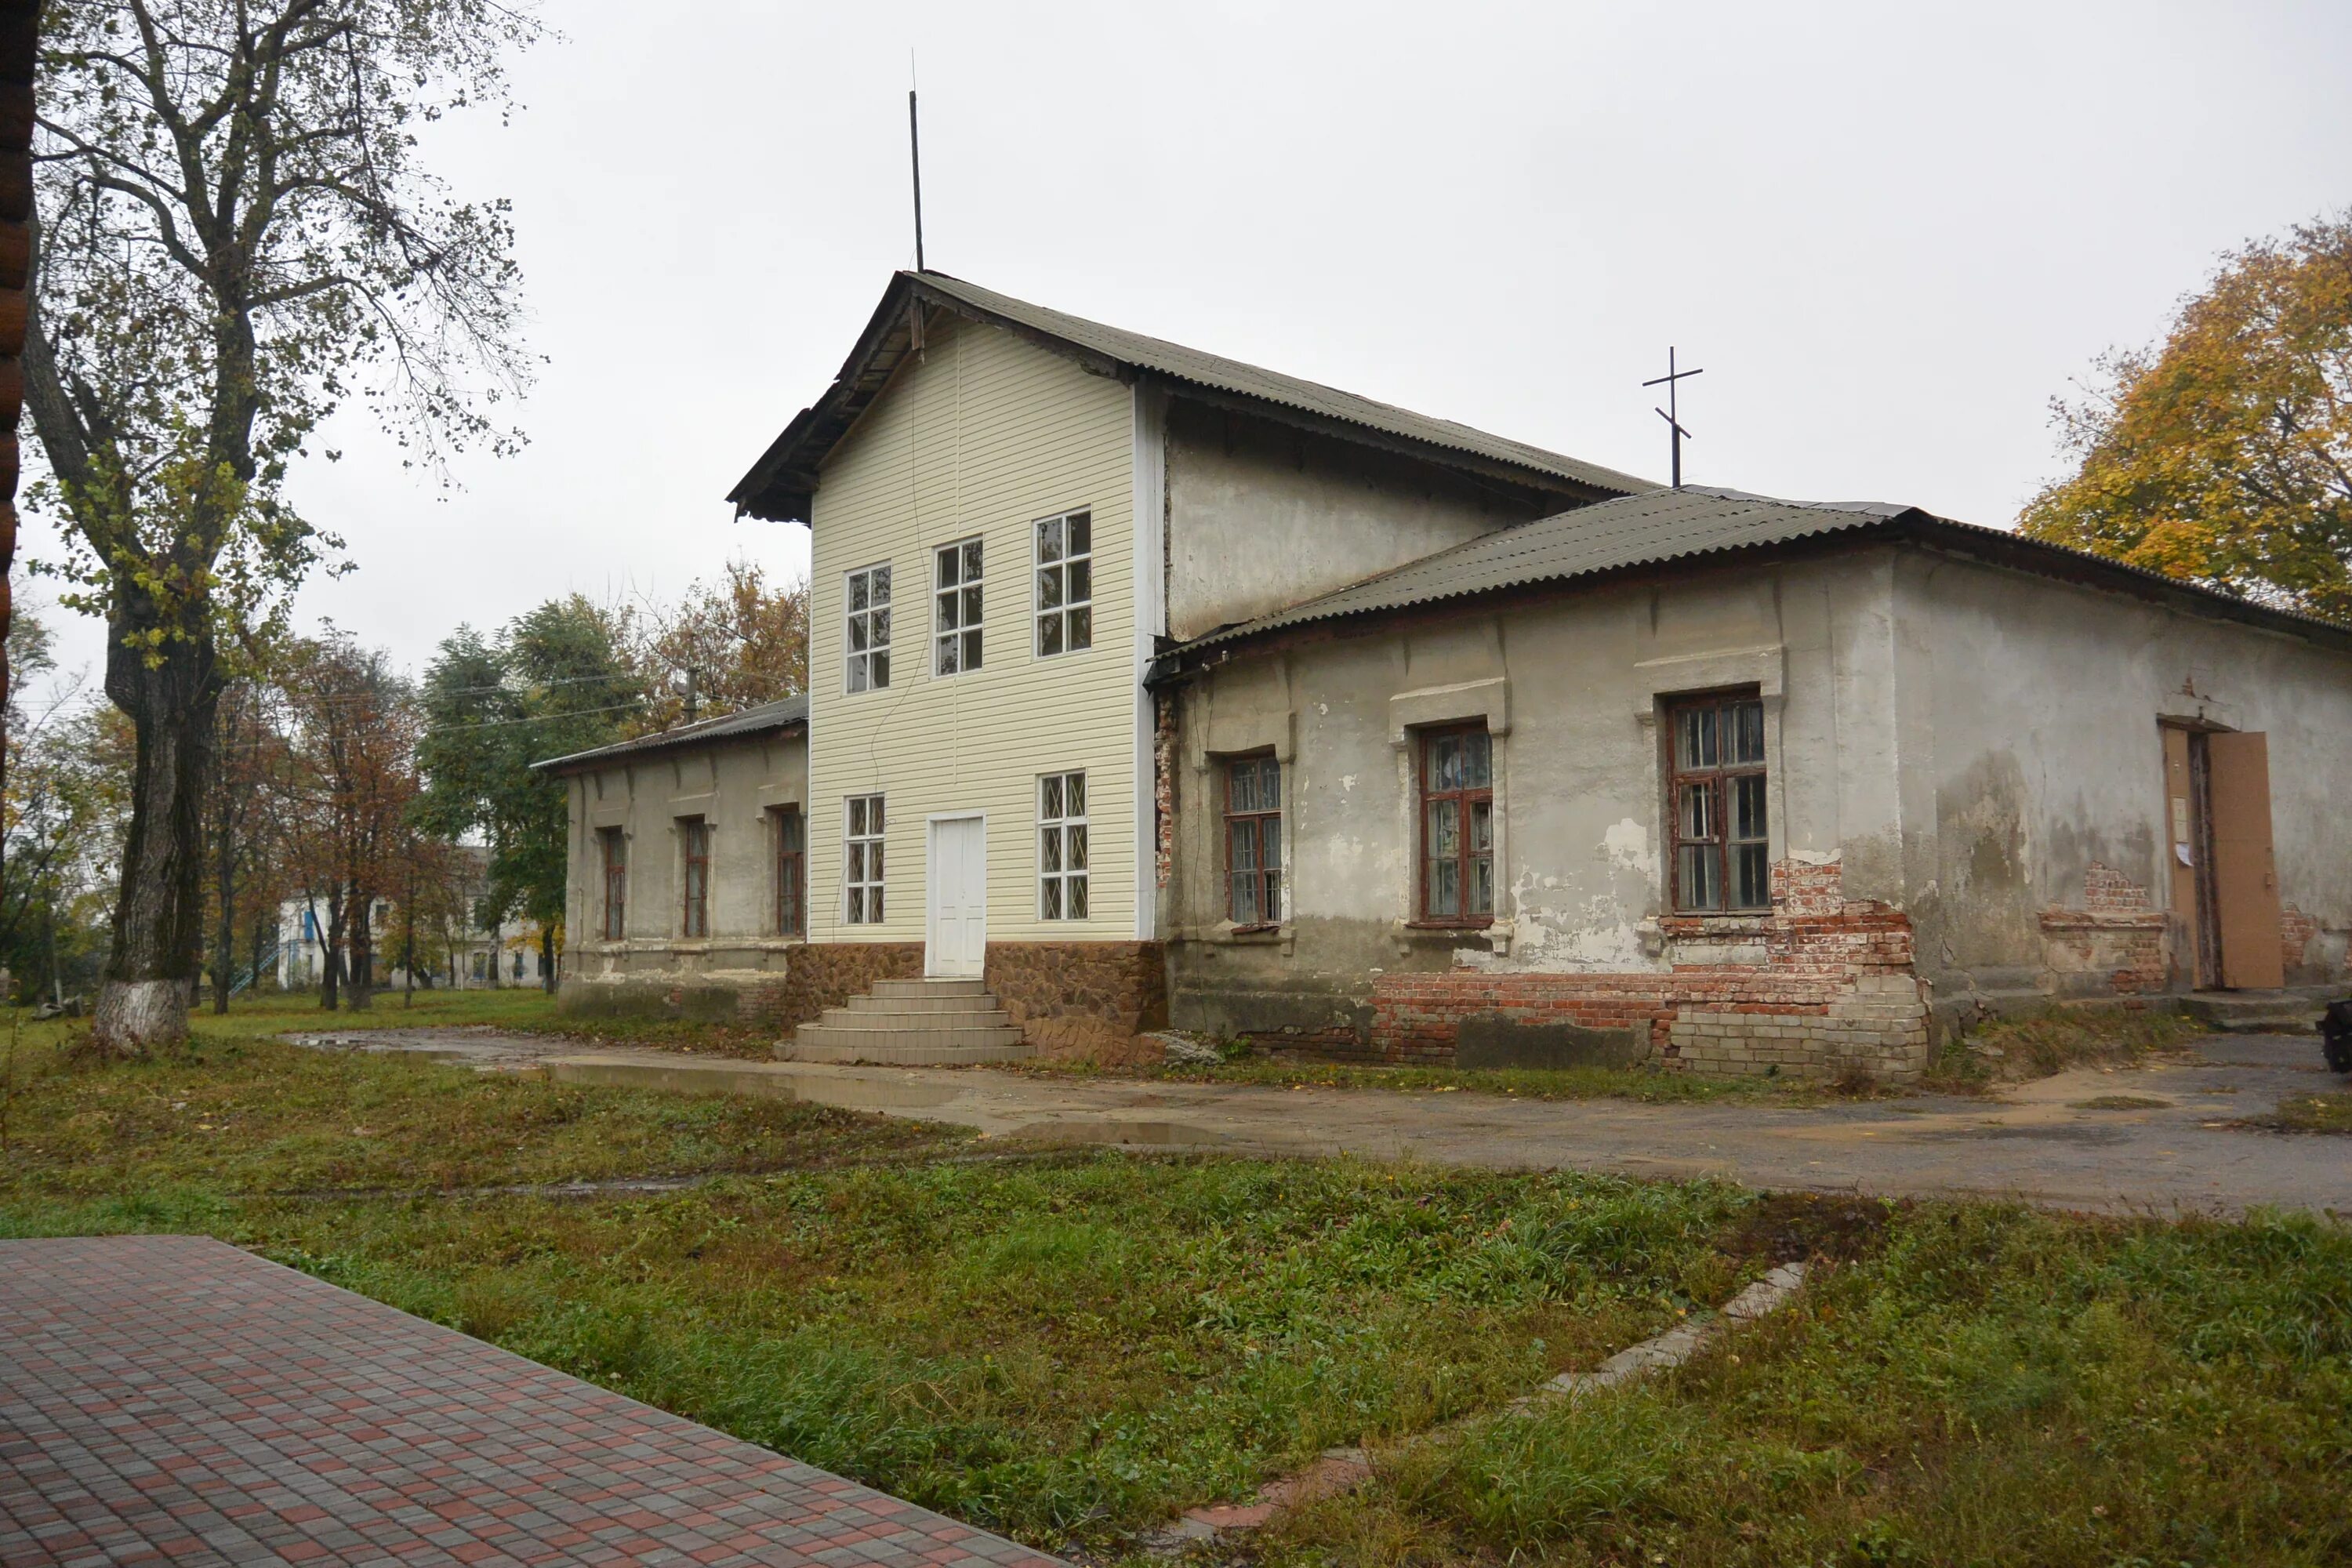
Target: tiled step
[[876, 1018], [930, 988], [912, 1023], [801, 1049], [952, 1002], [2254, 1011]]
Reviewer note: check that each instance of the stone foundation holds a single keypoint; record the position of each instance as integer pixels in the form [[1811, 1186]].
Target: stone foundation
[[2114, 944], [1823, 987], [1077, 995], [827, 974]]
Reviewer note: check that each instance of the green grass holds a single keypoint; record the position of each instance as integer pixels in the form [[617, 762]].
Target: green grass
[[2049, 1040], [2310, 1113], [1650, 1084]]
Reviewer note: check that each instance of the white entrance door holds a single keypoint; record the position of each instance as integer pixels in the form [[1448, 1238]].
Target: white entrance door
[[957, 881]]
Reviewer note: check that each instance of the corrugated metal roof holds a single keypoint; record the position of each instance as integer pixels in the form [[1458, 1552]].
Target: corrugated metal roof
[[1660, 525], [779, 486], [782, 714], [1201, 369]]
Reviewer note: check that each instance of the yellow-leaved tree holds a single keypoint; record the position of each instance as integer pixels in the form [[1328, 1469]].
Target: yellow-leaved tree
[[2225, 456]]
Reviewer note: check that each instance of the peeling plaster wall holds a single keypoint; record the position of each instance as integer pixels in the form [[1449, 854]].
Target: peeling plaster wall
[[731, 785], [1262, 515], [1571, 689], [2032, 754]]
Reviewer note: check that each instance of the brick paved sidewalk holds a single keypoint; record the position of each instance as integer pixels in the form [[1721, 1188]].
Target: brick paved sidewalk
[[172, 1399]]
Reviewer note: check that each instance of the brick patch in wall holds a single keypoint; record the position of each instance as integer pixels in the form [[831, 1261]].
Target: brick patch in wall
[[1825, 986], [2297, 930], [1065, 993], [1163, 785], [822, 974], [2113, 943]]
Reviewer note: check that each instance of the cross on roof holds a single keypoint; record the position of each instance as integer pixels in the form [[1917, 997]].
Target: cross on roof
[[1672, 411]]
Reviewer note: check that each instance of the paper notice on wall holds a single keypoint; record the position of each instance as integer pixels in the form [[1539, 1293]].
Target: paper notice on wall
[[2181, 853], [2180, 825]]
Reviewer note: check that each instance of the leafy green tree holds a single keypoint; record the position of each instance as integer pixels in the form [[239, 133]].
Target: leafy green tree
[[2225, 456], [234, 232], [553, 681]]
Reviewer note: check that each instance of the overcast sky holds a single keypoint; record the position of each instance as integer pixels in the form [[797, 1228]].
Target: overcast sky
[[1889, 234]]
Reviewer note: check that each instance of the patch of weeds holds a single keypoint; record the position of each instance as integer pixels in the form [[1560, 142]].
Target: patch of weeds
[[2306, 1113], [2120, 1102], [2049, 1040], [1784, 1228], [1650, 1084]]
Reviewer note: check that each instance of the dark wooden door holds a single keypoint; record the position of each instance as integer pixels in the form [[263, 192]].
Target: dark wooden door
[[2245, 876]]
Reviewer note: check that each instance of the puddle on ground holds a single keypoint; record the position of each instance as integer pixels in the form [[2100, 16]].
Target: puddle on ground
[[751, 1078], [1140, 1134]]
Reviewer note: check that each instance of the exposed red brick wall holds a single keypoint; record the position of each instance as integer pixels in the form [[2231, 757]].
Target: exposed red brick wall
[[2114, 934], [1163, 785], [1828, 986], [2297, 930]]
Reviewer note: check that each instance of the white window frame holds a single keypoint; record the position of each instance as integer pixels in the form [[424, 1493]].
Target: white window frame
[[1059, 832], [958, 609], [857, 663], [1057, 571], [864, 866]]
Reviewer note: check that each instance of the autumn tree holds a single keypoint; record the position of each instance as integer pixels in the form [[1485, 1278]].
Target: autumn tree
[[234, 232], [2225, 456], [742, 640]]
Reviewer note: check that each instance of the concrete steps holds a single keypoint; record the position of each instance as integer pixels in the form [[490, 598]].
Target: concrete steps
[[912, 1023], [2254, 1011]]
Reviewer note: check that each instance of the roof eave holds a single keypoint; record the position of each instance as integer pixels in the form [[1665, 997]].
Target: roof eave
[[655, 746]]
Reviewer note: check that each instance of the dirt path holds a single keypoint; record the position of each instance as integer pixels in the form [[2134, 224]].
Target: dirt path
[[2041, 1142]]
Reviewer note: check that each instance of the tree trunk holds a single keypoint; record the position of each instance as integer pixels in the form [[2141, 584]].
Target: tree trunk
[[547, 959], [361, 920], [225, 939], [158, 920], [330, 980]]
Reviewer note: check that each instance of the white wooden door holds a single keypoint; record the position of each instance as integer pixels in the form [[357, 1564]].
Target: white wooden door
[[957, 926]]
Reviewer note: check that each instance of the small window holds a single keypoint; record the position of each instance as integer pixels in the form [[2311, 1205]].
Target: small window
[[481, 966], [518, 963], [615, 849], [1066, 583], [868, 640], [1722, 861], [1253, 841], [694, 847], [955, 608], [1062, 846], [861, 868], [1457, 826], [791, 834]]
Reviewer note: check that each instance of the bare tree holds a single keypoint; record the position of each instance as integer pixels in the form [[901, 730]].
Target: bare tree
[[235, 234]]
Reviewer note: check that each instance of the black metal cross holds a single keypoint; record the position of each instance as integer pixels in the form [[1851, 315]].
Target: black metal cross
[[1672, 411]]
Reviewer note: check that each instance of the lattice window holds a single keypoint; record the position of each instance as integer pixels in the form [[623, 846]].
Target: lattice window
[[1457, 826], [1062, 846], [1721, 860], [1253, 841], [861, 869]]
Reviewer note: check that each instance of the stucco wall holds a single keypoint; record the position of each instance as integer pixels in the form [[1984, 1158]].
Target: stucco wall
[[2033, 754], [979, 435], [731, 785], [1262, 515], [1570, 687]]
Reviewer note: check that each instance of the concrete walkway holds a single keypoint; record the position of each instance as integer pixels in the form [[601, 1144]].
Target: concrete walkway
[[2041, 1142], [170, 1399]]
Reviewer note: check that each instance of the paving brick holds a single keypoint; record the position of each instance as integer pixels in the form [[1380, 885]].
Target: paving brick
[[172, 1399]]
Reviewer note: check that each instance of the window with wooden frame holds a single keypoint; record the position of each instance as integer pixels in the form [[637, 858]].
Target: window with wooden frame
[[614, 848], [1253, 841], [1062, 846], [694, 852], [1457, 826], [788, 830], [866, 631], [1721, 861], [955, 608], [1066, 583], [861, 865]]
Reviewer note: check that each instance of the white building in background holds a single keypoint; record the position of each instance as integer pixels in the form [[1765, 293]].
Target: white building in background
[[470, 959]]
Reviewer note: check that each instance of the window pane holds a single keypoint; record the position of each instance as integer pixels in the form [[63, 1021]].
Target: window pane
[[1049, 849], [881, 669], [1050, 900], [947, 611], [1477, 753], [880, 621], [971, 561], [858, 597], [1077, 897], [1748, 732], [1481, 827], [1082, 628], [874, 814], [874, 906], [856, 909], [1445, 763], [1444, 828], [881, 577], [857, 862], [791, 828], [1049, 588], [1445, 889], [947, 659], [857, 816], [947, 568], [1082, 580], [1747, 807], [1242, 907], [1270, 839], [874, 860], [971, 650], [1274, 895], [971, 606], [1081, 533], [1694, 738], [1049, 634], [1049, 796], [1076, 842], [1245, 846], [1482, 886], [857, 634], [1049, 540], [1697, 815], [1751, 877], [1074, 793], [1696, 878]]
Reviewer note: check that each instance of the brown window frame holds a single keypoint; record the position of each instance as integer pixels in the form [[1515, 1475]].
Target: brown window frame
[[694, 878], [1715, 782], [614, 845], [1264, 876], [1466, 859], [791, 868]]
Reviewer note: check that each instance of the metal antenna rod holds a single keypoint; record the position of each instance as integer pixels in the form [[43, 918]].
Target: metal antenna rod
[[915, 152], [1671, 412]]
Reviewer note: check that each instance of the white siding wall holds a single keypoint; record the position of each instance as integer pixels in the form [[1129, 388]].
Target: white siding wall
[[981, 436]]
